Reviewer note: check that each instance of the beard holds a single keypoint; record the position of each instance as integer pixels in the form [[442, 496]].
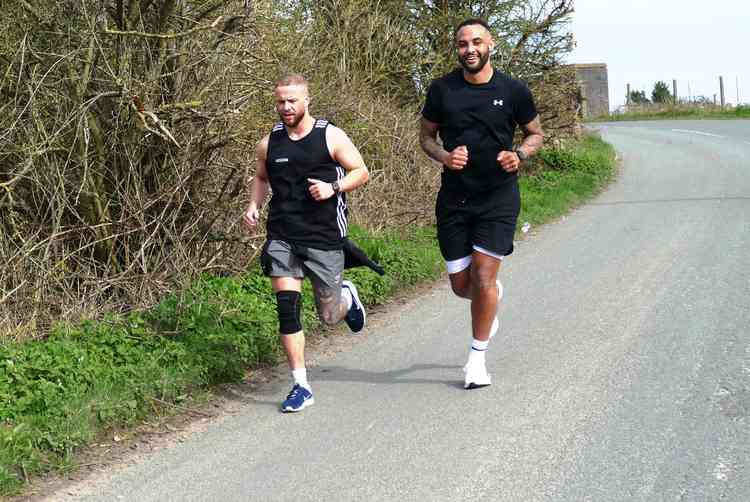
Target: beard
[[477, 67], [293, 121]]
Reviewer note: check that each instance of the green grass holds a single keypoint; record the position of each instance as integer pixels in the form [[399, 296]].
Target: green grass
[[678, 112], [572, 175], [84, 381]]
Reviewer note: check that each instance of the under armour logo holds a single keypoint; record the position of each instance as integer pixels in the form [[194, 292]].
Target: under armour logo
[[497, 102]]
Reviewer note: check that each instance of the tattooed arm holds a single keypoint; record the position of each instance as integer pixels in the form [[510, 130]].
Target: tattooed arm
[[533, 137], [456, 159]]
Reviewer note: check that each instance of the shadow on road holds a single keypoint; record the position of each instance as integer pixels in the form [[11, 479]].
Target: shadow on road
[[342, 374]]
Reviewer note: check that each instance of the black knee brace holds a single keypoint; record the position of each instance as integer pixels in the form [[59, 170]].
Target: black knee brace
[[289, 308]]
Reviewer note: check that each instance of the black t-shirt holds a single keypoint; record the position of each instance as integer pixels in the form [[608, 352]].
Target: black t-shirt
[[483, 117]]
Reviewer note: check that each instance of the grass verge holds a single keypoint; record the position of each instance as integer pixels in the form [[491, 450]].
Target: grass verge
[[62, 393], [571, 175], [677, 113]]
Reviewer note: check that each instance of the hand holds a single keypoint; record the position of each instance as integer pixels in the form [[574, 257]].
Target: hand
[[251, 216], [509, 161], [320, 190], [457, 159]]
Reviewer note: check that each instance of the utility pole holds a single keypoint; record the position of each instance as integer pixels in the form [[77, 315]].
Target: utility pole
[[627, 96], [737, 86], [674, 91], [690, 94], [721, 90]]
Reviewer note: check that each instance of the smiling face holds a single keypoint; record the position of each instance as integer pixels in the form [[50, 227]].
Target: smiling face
[[292, 102], [474, 44]]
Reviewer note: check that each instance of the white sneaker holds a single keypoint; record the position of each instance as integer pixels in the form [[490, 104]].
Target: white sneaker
[[496, 322], [476, 376]]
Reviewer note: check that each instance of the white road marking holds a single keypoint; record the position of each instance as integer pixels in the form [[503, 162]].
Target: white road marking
[[722, 470], [688, 131]]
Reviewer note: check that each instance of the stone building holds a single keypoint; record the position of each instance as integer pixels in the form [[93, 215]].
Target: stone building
[[594, 85]]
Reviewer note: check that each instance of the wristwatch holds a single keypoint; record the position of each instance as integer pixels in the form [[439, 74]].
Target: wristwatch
[[521, 154], [336, 187]]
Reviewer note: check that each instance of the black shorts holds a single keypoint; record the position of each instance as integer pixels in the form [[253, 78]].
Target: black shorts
[[482, 222]]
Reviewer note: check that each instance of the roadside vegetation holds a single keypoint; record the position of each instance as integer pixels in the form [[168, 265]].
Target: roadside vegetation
[[676, 112]]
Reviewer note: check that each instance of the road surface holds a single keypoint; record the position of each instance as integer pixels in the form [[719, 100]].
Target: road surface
[[621, 371]]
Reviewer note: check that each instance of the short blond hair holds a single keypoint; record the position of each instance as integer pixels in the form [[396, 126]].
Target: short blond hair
[[292, 79]]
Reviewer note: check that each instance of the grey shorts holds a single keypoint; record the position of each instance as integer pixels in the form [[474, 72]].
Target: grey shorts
[[323, 267]]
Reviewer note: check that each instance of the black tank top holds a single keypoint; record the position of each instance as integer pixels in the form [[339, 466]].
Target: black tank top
[[294, 216]]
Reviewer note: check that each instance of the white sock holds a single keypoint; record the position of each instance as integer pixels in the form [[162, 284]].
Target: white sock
[[346, 294], [300, 376], [477, 352]]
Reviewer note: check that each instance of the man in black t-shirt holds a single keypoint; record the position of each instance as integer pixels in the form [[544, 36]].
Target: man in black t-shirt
[[476, 110], [308, 164]]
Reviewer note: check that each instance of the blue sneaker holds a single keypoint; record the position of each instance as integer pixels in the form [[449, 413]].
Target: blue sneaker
[[298, 399], [355, 317]]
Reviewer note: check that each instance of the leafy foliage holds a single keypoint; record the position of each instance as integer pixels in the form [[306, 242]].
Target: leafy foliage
[[638, 97], [661, 93]]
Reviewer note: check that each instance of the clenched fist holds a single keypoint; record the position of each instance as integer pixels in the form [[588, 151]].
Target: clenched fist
[[509, 161], [320, 190], [457, 159], [251, 216]]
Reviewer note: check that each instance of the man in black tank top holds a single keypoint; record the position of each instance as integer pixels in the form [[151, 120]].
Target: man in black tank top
[[476, 110], [309, 165]]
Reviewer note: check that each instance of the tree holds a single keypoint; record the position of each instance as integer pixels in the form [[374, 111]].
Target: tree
[[638, 98], [661, 93]]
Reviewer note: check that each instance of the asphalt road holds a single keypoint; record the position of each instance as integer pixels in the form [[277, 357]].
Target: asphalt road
[[621, 371]]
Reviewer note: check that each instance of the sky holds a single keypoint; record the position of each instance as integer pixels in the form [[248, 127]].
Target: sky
[[644, 41]]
